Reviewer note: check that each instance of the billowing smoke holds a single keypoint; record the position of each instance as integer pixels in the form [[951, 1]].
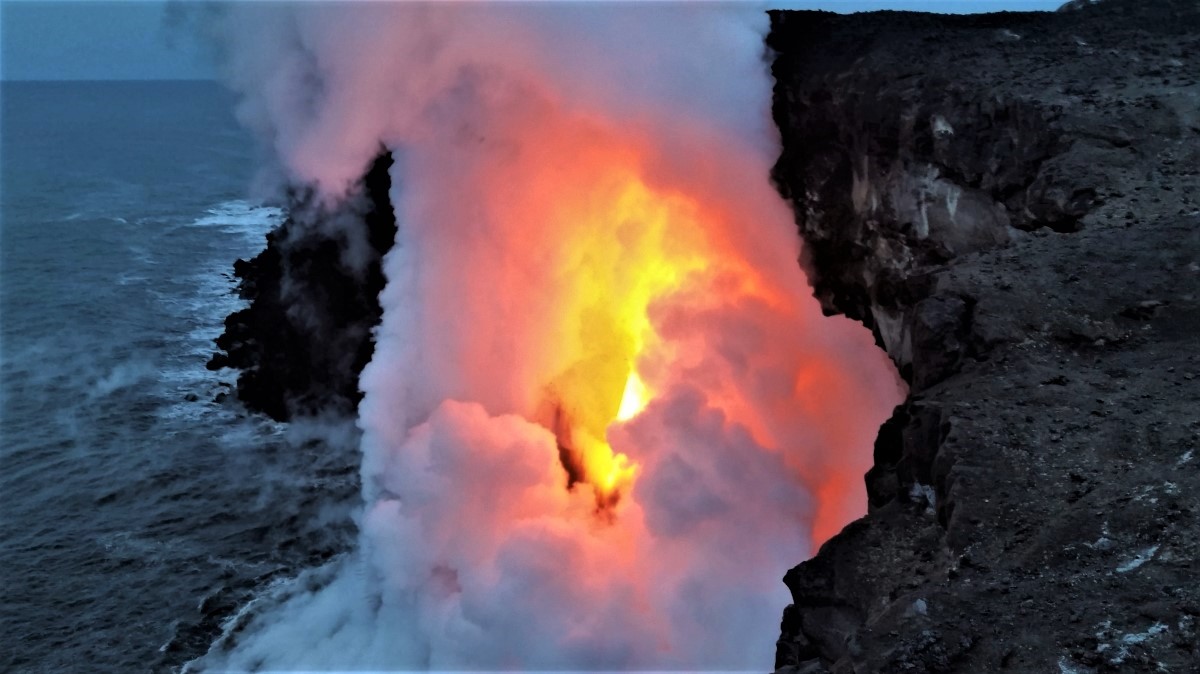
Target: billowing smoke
[[604, 414]]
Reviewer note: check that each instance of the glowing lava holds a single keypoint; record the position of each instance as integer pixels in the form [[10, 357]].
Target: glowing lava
[[634, 399], [629, 247], [604, 413]]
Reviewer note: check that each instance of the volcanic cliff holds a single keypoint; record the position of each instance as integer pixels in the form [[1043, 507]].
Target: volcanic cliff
[[313, 295], [1012, 203]]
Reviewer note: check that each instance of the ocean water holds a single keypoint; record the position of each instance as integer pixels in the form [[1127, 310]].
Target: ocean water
[[137, 512]]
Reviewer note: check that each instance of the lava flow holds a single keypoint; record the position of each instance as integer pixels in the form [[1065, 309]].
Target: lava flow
[[605, 413], [628, 247], [621, 338]]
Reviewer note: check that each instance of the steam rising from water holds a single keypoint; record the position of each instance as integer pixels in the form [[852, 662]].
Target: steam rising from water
[[587, 234]]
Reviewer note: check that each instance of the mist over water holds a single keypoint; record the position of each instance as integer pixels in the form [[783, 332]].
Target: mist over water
[[604, 414], [134, 507]]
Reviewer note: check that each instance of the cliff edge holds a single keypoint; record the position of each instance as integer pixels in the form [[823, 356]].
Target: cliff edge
[[313, 296], [1011, 202]]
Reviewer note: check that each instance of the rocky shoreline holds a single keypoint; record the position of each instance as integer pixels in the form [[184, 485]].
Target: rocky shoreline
[[1011, 202]]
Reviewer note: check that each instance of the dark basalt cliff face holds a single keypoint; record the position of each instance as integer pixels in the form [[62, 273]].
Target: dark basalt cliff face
[[314, 299], [1012, 203]]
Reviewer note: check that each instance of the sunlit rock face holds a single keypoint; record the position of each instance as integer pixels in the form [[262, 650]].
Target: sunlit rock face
[[1010, 201]]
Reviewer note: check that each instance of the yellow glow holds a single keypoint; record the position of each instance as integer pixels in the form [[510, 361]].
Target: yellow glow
[[618, 472], [635, 398], [629, 247]]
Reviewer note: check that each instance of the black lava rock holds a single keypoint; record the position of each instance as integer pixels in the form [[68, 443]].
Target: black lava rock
[[314, 299]]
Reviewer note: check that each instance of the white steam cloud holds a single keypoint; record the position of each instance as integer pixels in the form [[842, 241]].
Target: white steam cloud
[[584, 208]]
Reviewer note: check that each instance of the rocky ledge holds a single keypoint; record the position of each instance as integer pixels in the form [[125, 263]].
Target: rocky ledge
[[313, 295], [1011, 202]]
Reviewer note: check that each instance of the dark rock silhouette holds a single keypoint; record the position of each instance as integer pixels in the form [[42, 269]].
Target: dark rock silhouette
[[314, 299], [1011, 202]]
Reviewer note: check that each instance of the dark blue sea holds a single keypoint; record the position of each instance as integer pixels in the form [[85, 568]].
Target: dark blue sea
[[138, 511]]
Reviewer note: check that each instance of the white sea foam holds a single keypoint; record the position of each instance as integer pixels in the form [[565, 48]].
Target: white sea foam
[[120, 376], [130, 278], [209, 297], [241, 217]]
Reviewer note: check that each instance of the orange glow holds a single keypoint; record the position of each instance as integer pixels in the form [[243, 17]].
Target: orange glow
[[604, 413], [631, 246], [606, 275]]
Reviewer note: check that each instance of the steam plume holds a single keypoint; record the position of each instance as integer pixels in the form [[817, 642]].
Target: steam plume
[[604, 413]]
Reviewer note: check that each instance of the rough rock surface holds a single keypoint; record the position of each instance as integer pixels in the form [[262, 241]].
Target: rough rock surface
[[1012, 203], [314, 299]]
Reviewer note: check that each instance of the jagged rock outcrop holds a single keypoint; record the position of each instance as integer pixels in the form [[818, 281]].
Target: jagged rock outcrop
[[1012, 203], [314, 299]]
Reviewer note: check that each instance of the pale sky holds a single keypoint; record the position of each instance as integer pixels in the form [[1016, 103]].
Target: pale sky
[[102, 39]]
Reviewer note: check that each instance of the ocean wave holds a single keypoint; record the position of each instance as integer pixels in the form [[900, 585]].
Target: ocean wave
[[197, 304], [127, 278], [278, 594], [240, 217]]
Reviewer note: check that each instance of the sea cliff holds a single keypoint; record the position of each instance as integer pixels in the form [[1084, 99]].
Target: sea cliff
[[1011, 202]]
